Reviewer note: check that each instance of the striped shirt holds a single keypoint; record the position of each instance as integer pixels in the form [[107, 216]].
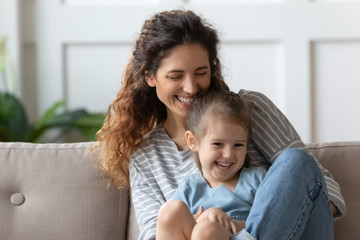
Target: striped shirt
[[157, 166]]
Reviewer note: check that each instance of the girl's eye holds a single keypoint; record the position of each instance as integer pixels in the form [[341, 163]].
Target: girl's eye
[[239, 145], [217, 144]]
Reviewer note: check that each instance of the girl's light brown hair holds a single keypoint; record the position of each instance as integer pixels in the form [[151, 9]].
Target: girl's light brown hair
[[136, 108], [223, 104]]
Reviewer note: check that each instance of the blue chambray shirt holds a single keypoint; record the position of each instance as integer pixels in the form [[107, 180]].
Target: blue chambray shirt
[[195, 192]]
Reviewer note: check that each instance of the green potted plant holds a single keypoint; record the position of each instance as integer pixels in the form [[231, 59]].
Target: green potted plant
[[14, 124]]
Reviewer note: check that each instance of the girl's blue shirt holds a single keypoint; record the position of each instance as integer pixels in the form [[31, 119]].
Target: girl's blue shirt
[[195, 192]]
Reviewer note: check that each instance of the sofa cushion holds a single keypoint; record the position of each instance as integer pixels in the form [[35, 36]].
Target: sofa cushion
[[342, 160], [54, 191]]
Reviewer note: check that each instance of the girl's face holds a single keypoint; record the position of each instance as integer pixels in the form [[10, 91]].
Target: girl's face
[[181, 75], [221, 151]]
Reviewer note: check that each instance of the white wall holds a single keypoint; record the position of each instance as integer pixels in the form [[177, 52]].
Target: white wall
[[303, 54], [9, 28]]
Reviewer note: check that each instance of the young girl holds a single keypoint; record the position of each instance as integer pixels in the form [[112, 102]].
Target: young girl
[[220, 126]]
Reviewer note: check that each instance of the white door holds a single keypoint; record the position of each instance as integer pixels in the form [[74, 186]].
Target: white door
[[304, 55]]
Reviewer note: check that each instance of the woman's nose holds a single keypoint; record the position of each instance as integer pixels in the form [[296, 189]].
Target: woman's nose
[[190, 85]]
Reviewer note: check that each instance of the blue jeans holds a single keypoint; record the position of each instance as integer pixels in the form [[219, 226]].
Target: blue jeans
[[291, 202]]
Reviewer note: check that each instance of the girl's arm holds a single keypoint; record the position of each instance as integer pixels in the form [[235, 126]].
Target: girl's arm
[[272, 133]]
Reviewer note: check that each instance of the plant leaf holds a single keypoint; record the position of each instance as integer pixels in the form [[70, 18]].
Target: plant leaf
[[49, 114], [63, 121], [89, 124], [66, 119], [13, 118], [5, 134]]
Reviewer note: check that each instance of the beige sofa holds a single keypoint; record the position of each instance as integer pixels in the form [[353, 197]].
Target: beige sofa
[[54, 191]]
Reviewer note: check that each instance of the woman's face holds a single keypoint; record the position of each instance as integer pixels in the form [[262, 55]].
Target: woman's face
[[180, 77]]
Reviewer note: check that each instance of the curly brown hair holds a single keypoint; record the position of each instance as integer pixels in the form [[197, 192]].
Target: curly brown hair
[[136, 108]]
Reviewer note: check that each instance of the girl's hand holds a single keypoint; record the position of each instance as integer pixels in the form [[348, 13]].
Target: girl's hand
[[217, 215], [199, 212]]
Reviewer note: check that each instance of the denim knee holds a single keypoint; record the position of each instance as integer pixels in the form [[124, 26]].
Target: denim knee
[[296, 158], [299, 163], [289, 198]]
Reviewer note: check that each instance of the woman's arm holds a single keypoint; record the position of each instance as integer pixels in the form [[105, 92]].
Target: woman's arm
[[146, 204], [156, 167], [272, 133]]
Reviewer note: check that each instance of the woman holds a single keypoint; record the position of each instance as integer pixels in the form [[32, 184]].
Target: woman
[[174, 60]]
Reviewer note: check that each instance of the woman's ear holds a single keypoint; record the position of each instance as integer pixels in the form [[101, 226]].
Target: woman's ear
[[191, 141], [150, 79]]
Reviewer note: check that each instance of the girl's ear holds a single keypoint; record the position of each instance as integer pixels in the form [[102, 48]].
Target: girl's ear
[[150, 79], [191, 141]]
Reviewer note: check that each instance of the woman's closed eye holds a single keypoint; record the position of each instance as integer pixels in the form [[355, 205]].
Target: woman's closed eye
[[201, 73], [175, 77]]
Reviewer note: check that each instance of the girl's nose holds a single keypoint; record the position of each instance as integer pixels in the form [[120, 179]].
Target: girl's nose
[[228, 153]]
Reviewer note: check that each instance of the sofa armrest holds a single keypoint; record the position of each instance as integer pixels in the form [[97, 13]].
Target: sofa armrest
[[342, 160]]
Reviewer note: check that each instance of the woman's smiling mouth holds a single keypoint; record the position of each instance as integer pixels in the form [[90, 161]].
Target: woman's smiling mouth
[[185, 100]]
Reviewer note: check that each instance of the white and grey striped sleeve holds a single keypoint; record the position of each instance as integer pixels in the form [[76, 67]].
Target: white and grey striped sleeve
[[145, 204], [272, 133], [156, 168]]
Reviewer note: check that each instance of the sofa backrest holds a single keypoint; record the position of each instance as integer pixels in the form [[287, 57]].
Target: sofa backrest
[[54, 191]]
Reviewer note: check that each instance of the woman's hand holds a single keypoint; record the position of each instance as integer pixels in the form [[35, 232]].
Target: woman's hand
[[240, 225], [333, 209], [219, 216]]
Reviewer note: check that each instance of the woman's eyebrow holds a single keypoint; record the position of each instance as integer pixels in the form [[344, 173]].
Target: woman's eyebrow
[[181, 71], [176, 71], [201, 68]]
